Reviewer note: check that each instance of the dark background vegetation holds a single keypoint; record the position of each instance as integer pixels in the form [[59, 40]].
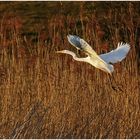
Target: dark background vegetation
[[46, 95]]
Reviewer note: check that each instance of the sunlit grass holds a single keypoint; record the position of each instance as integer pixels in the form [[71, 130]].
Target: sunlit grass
[[46, 95]]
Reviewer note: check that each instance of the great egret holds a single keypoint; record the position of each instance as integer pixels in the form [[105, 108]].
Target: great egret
[[101, 61]]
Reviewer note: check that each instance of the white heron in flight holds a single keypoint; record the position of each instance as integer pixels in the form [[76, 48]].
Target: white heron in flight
[[102, 61]]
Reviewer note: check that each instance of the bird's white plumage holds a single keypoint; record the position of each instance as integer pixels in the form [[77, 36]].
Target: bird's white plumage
[[85, 59], [116, 55], [99, 61], [92, 61]]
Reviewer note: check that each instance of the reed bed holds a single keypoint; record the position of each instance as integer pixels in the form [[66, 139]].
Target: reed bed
[[49, 95]]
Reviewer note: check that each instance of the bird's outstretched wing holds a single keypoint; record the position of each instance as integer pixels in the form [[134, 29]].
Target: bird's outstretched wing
[[75, 41], [81, 44], [116, 55], [78, 42]]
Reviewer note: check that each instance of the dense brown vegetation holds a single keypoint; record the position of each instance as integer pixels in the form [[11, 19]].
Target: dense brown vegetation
[[46, 95]]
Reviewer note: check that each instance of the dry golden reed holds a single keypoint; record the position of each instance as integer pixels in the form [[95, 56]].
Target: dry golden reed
[[48, 95]]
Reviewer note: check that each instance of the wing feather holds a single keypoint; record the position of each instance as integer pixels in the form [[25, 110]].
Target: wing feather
[[81, 44], [75, 41], [78, 42], [116, 55]]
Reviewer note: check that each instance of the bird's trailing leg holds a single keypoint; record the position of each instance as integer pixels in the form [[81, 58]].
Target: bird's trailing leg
[[115, 86]]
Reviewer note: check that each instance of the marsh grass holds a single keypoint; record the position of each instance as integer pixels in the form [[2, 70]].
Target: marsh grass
[[48, 95]]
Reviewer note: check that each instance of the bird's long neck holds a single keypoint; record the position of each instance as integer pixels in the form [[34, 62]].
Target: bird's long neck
[[73, 55], [80, 59]]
